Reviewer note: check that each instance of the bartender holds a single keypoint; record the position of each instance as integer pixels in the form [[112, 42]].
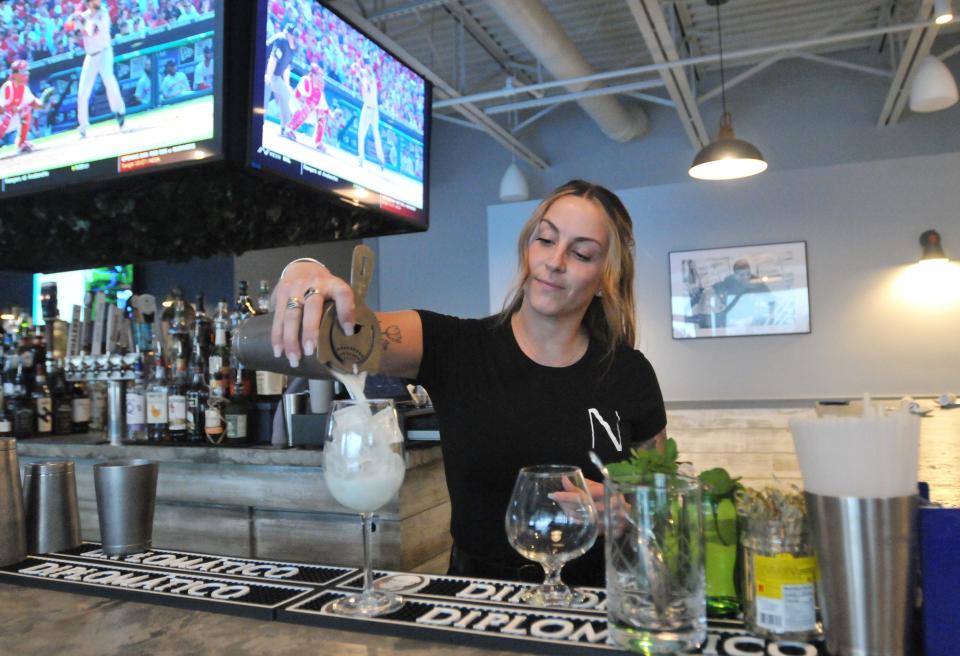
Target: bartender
[[550, 378]]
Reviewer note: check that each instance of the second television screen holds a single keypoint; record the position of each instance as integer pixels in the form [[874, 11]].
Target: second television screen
[[334, 110], [98, 88]]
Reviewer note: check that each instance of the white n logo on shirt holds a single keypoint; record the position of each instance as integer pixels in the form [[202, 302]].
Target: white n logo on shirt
[[593, 413]]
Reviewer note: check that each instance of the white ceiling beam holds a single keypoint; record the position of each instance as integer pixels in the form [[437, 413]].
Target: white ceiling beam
[[819, 34], [917, 47], [686, 26], [574, 96], [527, 122], [947, 54], [650, 98], [884, 16], [458, 121], [653, 27], [469, 111], [860, 68]]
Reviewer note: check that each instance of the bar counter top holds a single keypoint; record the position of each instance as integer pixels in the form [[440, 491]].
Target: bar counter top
[[34, 621], [97, 447]]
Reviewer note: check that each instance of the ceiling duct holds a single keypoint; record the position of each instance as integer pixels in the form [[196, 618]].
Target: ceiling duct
[[542, 35]]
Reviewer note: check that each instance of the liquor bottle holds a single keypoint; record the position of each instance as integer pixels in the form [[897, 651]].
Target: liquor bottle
[[26, 352], [263, 298], [43, 402], [243, 307], [179, 340], [62, 408], [220, 356], [213, 421], [39, 345], [80, 405], [238, 412], [179, 361], [9, 371], [177, 407], [202, 332], [137, 406], [21, 410], [6, 428], [157, 403], [197, 394]]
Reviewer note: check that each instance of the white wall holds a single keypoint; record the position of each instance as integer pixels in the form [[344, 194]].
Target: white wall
[[874, 328]]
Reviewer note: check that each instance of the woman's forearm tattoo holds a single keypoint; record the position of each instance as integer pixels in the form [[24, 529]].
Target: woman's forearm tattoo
[[391, 334]]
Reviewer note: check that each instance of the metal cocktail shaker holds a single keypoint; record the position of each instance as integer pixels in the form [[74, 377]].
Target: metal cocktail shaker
[[52, 514], [867, 555], [13, 534], [335, 349], [126, 496]]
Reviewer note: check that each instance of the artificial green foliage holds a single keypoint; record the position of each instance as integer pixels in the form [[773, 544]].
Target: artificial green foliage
[[646, 462]]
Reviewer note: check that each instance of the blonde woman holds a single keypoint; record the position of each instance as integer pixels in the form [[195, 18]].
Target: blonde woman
[[550, 378]]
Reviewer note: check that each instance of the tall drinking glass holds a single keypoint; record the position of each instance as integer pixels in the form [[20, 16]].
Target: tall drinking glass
[[656, 598], [551, 519], [363, 467]]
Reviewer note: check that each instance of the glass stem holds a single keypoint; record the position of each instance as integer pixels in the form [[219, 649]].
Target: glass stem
[[367, 518], [552, 571]]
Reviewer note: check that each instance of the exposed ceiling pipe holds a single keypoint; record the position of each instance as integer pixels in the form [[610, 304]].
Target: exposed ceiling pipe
[[542, 35]]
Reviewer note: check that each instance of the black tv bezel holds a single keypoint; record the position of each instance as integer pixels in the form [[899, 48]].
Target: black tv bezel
[[402, 225], [97, 177]]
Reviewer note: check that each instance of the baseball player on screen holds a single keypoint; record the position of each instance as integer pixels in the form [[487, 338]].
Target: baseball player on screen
[[283, 46], [370, 114], [18, 102], [309, 92], [93, 25]]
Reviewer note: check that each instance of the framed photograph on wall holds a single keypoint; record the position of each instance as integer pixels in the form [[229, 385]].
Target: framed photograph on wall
[[743, 290]]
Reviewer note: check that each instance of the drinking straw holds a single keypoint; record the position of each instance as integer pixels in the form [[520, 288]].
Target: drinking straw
[[872, 456]]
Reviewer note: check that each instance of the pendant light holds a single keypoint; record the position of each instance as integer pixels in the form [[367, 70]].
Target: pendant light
[[726, 157], [513, 186]]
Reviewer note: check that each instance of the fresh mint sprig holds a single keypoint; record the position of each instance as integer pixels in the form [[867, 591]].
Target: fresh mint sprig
[[646, 462], [718, 483]]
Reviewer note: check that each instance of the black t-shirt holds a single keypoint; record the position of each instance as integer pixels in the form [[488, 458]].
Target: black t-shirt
[[498, 411]]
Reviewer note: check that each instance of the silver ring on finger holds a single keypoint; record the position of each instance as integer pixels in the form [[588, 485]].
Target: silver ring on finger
[[294, 303], [307, 294]]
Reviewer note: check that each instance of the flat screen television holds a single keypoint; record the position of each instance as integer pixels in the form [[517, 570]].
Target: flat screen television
[[96, 89], [72, 286], [335, 110]]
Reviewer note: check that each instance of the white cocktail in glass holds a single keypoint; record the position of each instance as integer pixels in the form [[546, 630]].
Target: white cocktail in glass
[[363, 468]]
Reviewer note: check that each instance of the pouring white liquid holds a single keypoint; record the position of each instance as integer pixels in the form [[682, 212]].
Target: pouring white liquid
[[362, 467]]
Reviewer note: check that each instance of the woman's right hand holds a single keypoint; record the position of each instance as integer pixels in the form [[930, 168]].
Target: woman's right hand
[[296, 330]]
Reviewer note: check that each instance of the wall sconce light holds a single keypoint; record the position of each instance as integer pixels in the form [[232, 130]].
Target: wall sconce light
[[932, 248]]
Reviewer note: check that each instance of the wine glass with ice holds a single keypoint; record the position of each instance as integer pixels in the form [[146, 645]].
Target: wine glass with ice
[[551, 519], [363, 467]]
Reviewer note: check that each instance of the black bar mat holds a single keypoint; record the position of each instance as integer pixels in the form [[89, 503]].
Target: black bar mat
[[517, 627], [192, 591], [223, 566]]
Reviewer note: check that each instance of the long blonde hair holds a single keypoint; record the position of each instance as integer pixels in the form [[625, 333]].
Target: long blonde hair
[[610, 318]]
